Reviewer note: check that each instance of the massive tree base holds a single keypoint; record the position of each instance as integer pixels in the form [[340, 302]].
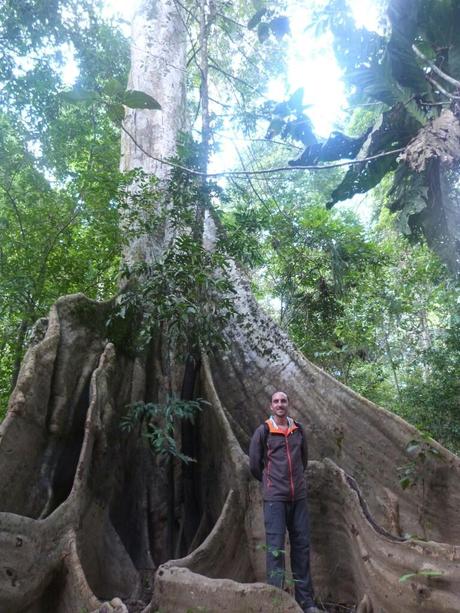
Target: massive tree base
[[88, 514]]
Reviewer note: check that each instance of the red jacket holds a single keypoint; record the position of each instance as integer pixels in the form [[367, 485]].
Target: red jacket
[[278, 459]]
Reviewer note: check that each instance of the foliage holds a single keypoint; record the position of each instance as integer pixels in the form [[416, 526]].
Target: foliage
[[431, 395], [113, 96], [390, 333], [186, 294], [392, 130], [185, 291], [376, 310], [269, 22], [37, 40], [427, 572], [59, 178], [372, 308], [240, 68], [409, 69], [420, 450], [60, 211], [158, 421], [289, 120]]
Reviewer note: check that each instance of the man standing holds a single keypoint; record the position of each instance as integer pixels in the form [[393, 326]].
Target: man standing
[[278, 456]]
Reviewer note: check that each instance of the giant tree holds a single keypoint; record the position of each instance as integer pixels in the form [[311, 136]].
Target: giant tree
[[89, 513]]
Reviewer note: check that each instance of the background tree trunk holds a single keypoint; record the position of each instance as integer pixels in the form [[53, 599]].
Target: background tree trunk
[[86, 509]]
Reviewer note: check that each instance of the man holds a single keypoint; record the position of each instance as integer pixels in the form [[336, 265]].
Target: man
[[278, 456]]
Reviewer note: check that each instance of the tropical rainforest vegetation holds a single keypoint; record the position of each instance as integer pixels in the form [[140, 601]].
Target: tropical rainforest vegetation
[[370, 302], [169, 353]]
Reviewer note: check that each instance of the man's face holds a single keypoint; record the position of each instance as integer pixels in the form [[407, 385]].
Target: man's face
[[279, 405]]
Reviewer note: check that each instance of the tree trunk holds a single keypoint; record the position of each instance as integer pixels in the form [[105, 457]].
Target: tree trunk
[[86, 509], [22, 330], [435, 150]]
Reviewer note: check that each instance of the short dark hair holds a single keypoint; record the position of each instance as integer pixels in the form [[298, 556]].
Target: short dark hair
[[278, 392]]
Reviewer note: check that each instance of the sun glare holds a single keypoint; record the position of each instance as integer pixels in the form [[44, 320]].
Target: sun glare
[[311, 65], [122, 8], [366, 13]]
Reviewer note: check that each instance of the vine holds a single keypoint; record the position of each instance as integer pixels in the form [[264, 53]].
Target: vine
[[157, 423], [185, 291]]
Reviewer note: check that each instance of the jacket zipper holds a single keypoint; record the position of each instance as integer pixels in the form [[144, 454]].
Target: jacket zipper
[[290, 466], [269, 481]]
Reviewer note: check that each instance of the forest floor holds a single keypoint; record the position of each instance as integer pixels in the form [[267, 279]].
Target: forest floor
[[137, 606]]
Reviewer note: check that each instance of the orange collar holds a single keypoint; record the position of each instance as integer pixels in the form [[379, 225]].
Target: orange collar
[[273, 428]]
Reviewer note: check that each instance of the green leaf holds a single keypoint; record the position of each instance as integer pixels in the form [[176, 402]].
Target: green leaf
[[275, 127], [280, 26], [140, 100], [404, 67], [431, 573], [116, 112], [336, 147], [374, 82], [421, 573], [404, 578], [114, 88], [282, 109], [403, 16], [255, 19], [263, 32], [301, 130], [296, 100], [392, 130], [406, 482]]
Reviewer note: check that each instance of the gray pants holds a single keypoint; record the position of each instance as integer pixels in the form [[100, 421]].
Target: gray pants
[[293, 516]]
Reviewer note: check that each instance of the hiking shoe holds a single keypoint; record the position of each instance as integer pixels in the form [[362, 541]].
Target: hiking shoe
[[312, 609]]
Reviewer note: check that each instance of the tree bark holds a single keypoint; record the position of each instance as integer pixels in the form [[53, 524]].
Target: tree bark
[[434, 150], [84, 506]]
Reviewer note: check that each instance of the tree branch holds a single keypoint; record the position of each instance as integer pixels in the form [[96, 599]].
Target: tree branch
[[269, 141], [12, 199], [188, 11], [230, 20], [231, 76], [267, 171], [225, 106], [441, 88], [435, 68]]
